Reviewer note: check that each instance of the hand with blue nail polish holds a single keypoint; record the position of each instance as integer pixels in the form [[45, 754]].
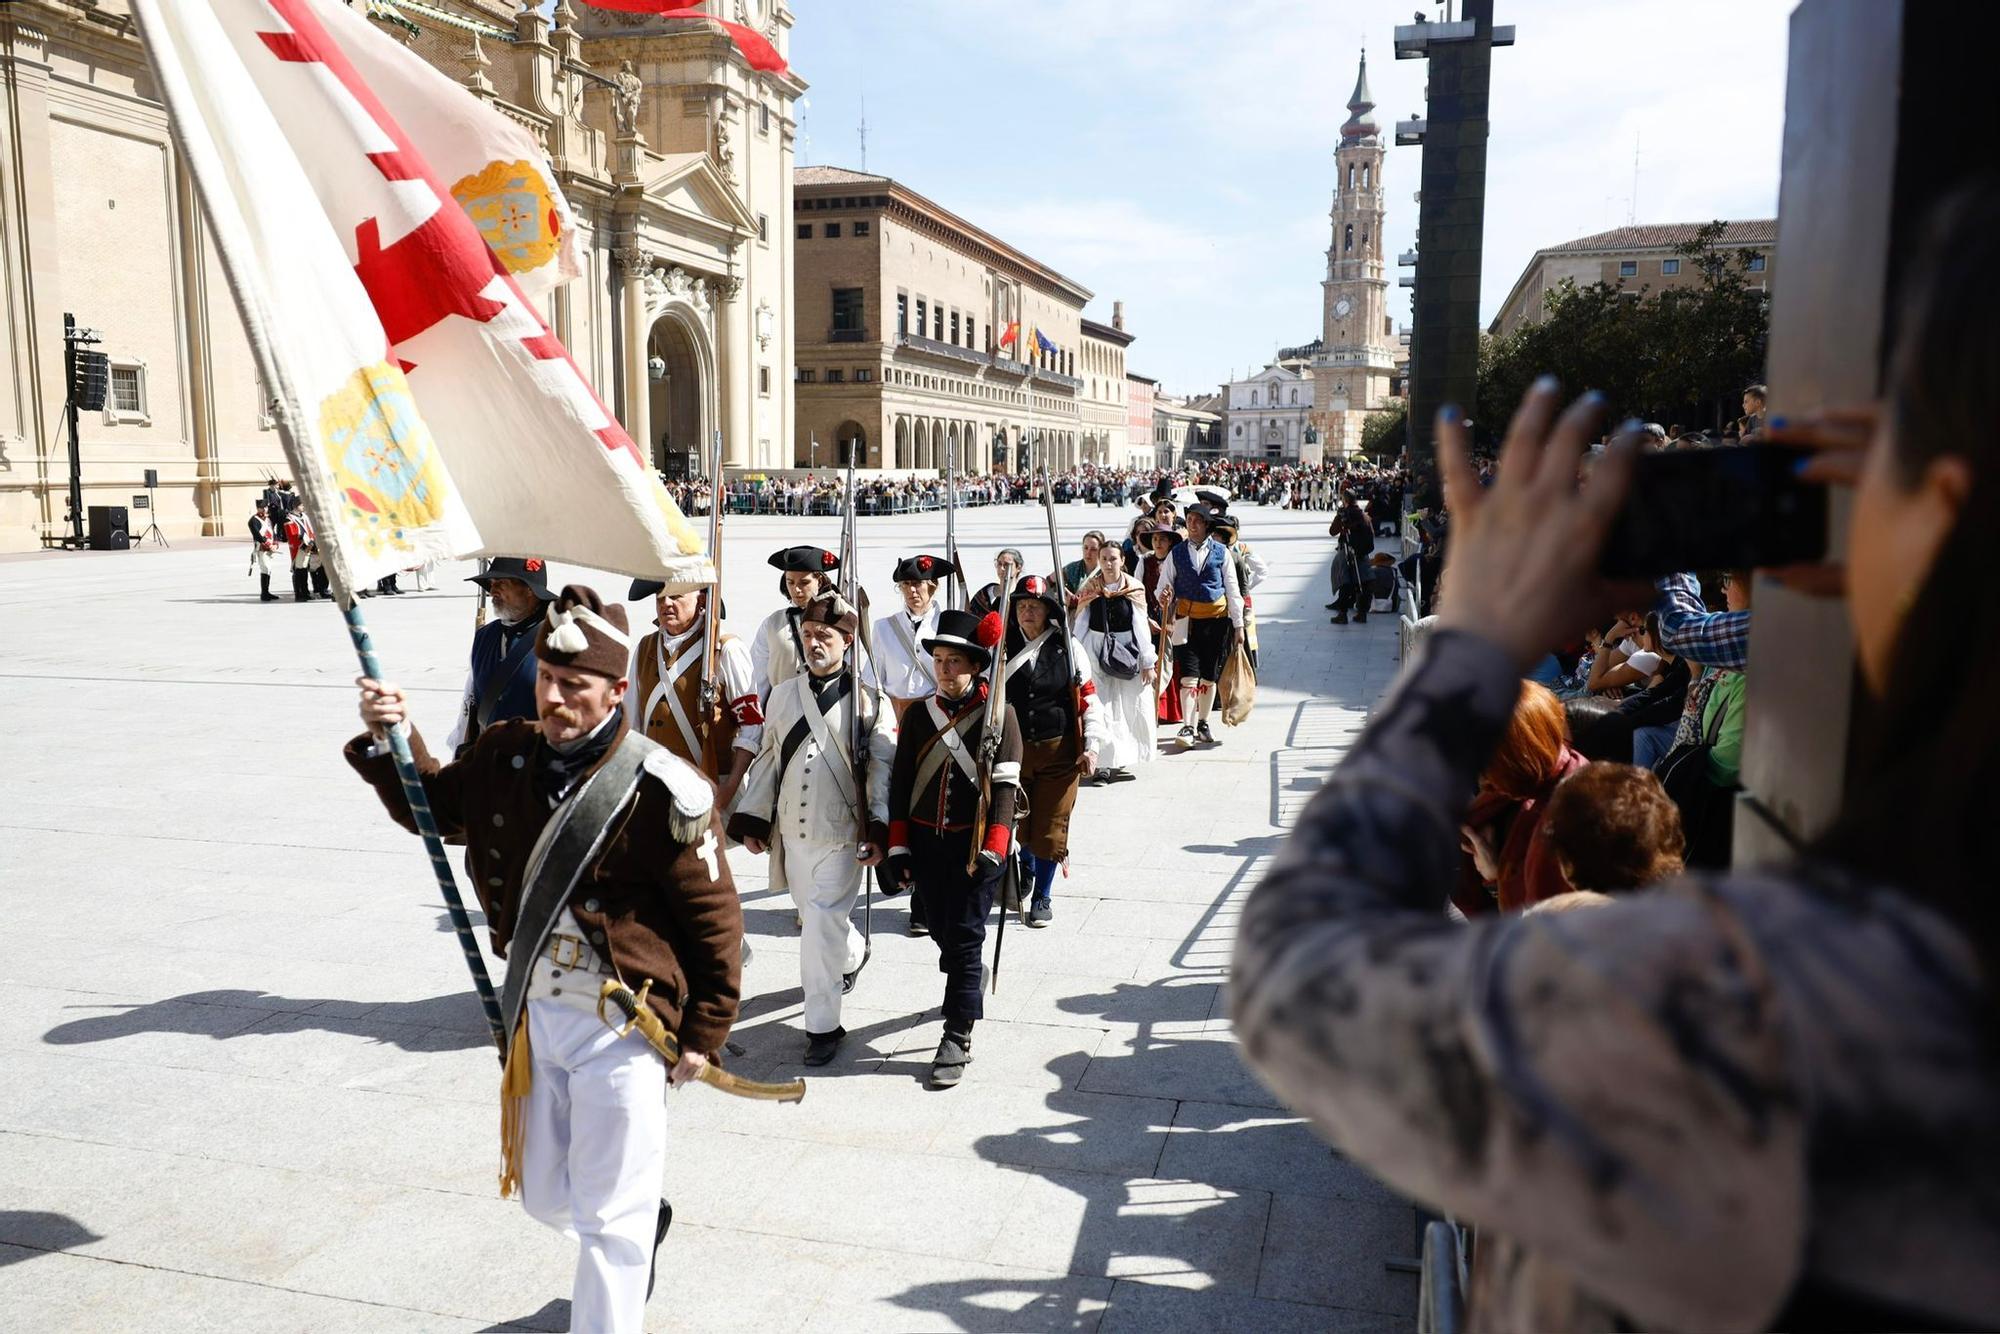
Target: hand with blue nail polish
[[1522, 567]]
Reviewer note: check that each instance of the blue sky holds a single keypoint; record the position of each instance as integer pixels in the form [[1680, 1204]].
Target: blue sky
[[1178, 154]]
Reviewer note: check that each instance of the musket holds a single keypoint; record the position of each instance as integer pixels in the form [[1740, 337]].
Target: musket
[[632, 1005], [857, 735], [1062, 601], [954, 594], [711, 635], [989, 741]]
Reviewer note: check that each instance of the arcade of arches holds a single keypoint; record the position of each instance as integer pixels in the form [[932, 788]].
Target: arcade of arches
[[921, 442]]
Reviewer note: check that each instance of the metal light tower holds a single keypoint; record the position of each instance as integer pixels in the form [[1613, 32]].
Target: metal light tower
[[1451, 218]]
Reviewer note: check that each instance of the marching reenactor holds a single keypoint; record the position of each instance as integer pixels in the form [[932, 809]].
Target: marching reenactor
[[501, 683], [820, 808], [1156, 573], [263, 549], [718, 734], [299, 542], [1356, 544], [776, 653], [1008, 564], [951, 817], [903, 665], [1048, 683], [1250, 572], [649, 904], [1207, 609]]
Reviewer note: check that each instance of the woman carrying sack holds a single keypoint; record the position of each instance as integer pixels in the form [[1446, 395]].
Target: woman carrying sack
[[1110, 622]]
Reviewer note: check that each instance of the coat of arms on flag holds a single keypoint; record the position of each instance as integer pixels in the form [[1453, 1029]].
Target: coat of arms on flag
[[385, 234]]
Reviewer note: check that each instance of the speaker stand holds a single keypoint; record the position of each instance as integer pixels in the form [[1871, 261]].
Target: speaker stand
[[153, 527]]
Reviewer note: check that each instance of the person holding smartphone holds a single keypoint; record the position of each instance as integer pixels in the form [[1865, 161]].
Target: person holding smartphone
[[1745, 1099]]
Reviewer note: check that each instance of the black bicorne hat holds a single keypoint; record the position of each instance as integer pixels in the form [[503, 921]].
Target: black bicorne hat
[[914, 569], [804, 560], [530, 570]]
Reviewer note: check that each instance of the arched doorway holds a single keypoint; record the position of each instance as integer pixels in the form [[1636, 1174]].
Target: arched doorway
[[902, 459], [851, 441], [677, 398]]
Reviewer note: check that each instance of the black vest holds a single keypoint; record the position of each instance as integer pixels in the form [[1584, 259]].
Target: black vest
[[1111, 615], [1040, 692]]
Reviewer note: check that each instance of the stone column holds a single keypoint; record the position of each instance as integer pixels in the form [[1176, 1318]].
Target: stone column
[[638, 385], [733, 364]]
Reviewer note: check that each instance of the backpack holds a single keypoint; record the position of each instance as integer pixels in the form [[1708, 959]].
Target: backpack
[[1708, 812]]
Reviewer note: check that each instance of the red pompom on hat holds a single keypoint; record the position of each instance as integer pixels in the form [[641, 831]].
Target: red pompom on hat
[[991, 630]]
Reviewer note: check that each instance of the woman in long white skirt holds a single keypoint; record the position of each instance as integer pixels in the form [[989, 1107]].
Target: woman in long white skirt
[[1110, 621]]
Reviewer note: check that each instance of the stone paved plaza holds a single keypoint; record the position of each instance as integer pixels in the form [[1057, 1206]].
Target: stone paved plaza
[[246, 1085]]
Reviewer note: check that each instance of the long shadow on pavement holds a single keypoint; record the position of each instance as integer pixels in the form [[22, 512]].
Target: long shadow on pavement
[[39, 1232], [441, 1023]]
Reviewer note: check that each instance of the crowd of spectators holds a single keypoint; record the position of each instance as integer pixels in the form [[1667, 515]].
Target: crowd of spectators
[[1713, 1097]]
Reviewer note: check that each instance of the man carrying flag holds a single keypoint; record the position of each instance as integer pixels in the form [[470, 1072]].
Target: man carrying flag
[[631, 884]]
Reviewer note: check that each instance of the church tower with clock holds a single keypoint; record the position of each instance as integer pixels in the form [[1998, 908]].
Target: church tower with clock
[[1351, 374]]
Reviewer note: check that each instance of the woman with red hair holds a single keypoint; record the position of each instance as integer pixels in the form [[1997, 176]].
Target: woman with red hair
[[1504, 862]]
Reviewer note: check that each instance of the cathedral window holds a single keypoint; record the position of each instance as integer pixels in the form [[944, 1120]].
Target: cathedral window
[[1350, 175], [1364, 176], [1347, 243]]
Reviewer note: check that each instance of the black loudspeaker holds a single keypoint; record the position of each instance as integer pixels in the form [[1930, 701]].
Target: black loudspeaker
[[108, 528], [152, 478], [93, 380]]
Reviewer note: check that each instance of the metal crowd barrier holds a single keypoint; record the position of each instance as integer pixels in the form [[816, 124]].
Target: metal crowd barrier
[[1441, 1291]]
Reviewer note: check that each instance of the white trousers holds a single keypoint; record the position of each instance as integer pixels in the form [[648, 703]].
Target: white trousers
[[593, 1157], [824, 880]]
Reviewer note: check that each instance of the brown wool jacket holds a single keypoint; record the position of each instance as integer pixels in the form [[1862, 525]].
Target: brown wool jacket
[[649, 899]]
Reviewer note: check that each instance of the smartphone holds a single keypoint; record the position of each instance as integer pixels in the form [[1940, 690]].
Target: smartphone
[[1731, 508]]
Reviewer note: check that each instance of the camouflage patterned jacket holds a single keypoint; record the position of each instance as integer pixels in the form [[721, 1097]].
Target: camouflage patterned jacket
[[1724, 1103]]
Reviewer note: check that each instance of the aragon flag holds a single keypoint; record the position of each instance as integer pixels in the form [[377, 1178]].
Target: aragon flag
[[383, 233]]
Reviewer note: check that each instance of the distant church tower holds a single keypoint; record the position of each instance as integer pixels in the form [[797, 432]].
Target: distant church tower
[[1351, 373]]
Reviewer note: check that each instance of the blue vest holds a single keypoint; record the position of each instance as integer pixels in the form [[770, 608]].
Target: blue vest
[[1198, 585], [517, 697]]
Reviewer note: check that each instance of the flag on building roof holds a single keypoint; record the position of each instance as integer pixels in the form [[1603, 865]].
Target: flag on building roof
[[1013, 332], [425, 409], [757, 50]]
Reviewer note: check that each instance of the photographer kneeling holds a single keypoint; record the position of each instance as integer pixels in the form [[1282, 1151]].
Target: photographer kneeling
[[1745, 1100]]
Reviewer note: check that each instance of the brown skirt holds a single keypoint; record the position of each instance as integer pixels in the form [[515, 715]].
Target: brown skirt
[[1048, 781]]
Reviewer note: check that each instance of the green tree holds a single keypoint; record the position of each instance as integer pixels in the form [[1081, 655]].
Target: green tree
[[1681, 356], [1383, 434]]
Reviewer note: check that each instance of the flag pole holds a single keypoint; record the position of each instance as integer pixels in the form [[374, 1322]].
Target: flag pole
[[420, 814]]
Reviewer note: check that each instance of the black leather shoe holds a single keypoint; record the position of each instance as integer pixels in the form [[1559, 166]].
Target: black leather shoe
[[820, 1047], [954, 1053], [659, 1235], [1338, 620]]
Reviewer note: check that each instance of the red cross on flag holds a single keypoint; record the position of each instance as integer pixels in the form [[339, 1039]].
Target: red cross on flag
[[385, 234]]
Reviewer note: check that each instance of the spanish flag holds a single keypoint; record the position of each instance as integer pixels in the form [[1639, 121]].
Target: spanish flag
[[1013, 333]]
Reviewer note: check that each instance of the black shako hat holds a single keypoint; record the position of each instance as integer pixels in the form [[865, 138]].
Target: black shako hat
[[915, 569], [530, 570], [804, 560], [968, 634]]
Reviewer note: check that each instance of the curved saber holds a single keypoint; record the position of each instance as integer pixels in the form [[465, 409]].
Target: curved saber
[[638, 1015]]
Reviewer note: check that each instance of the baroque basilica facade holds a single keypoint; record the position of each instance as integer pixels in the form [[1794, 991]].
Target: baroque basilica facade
[[675, 155]]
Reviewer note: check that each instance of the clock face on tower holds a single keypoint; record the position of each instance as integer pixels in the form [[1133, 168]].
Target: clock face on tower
[[1342, 306]]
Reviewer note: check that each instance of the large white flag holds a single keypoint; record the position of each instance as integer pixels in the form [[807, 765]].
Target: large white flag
[[425, 407]]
